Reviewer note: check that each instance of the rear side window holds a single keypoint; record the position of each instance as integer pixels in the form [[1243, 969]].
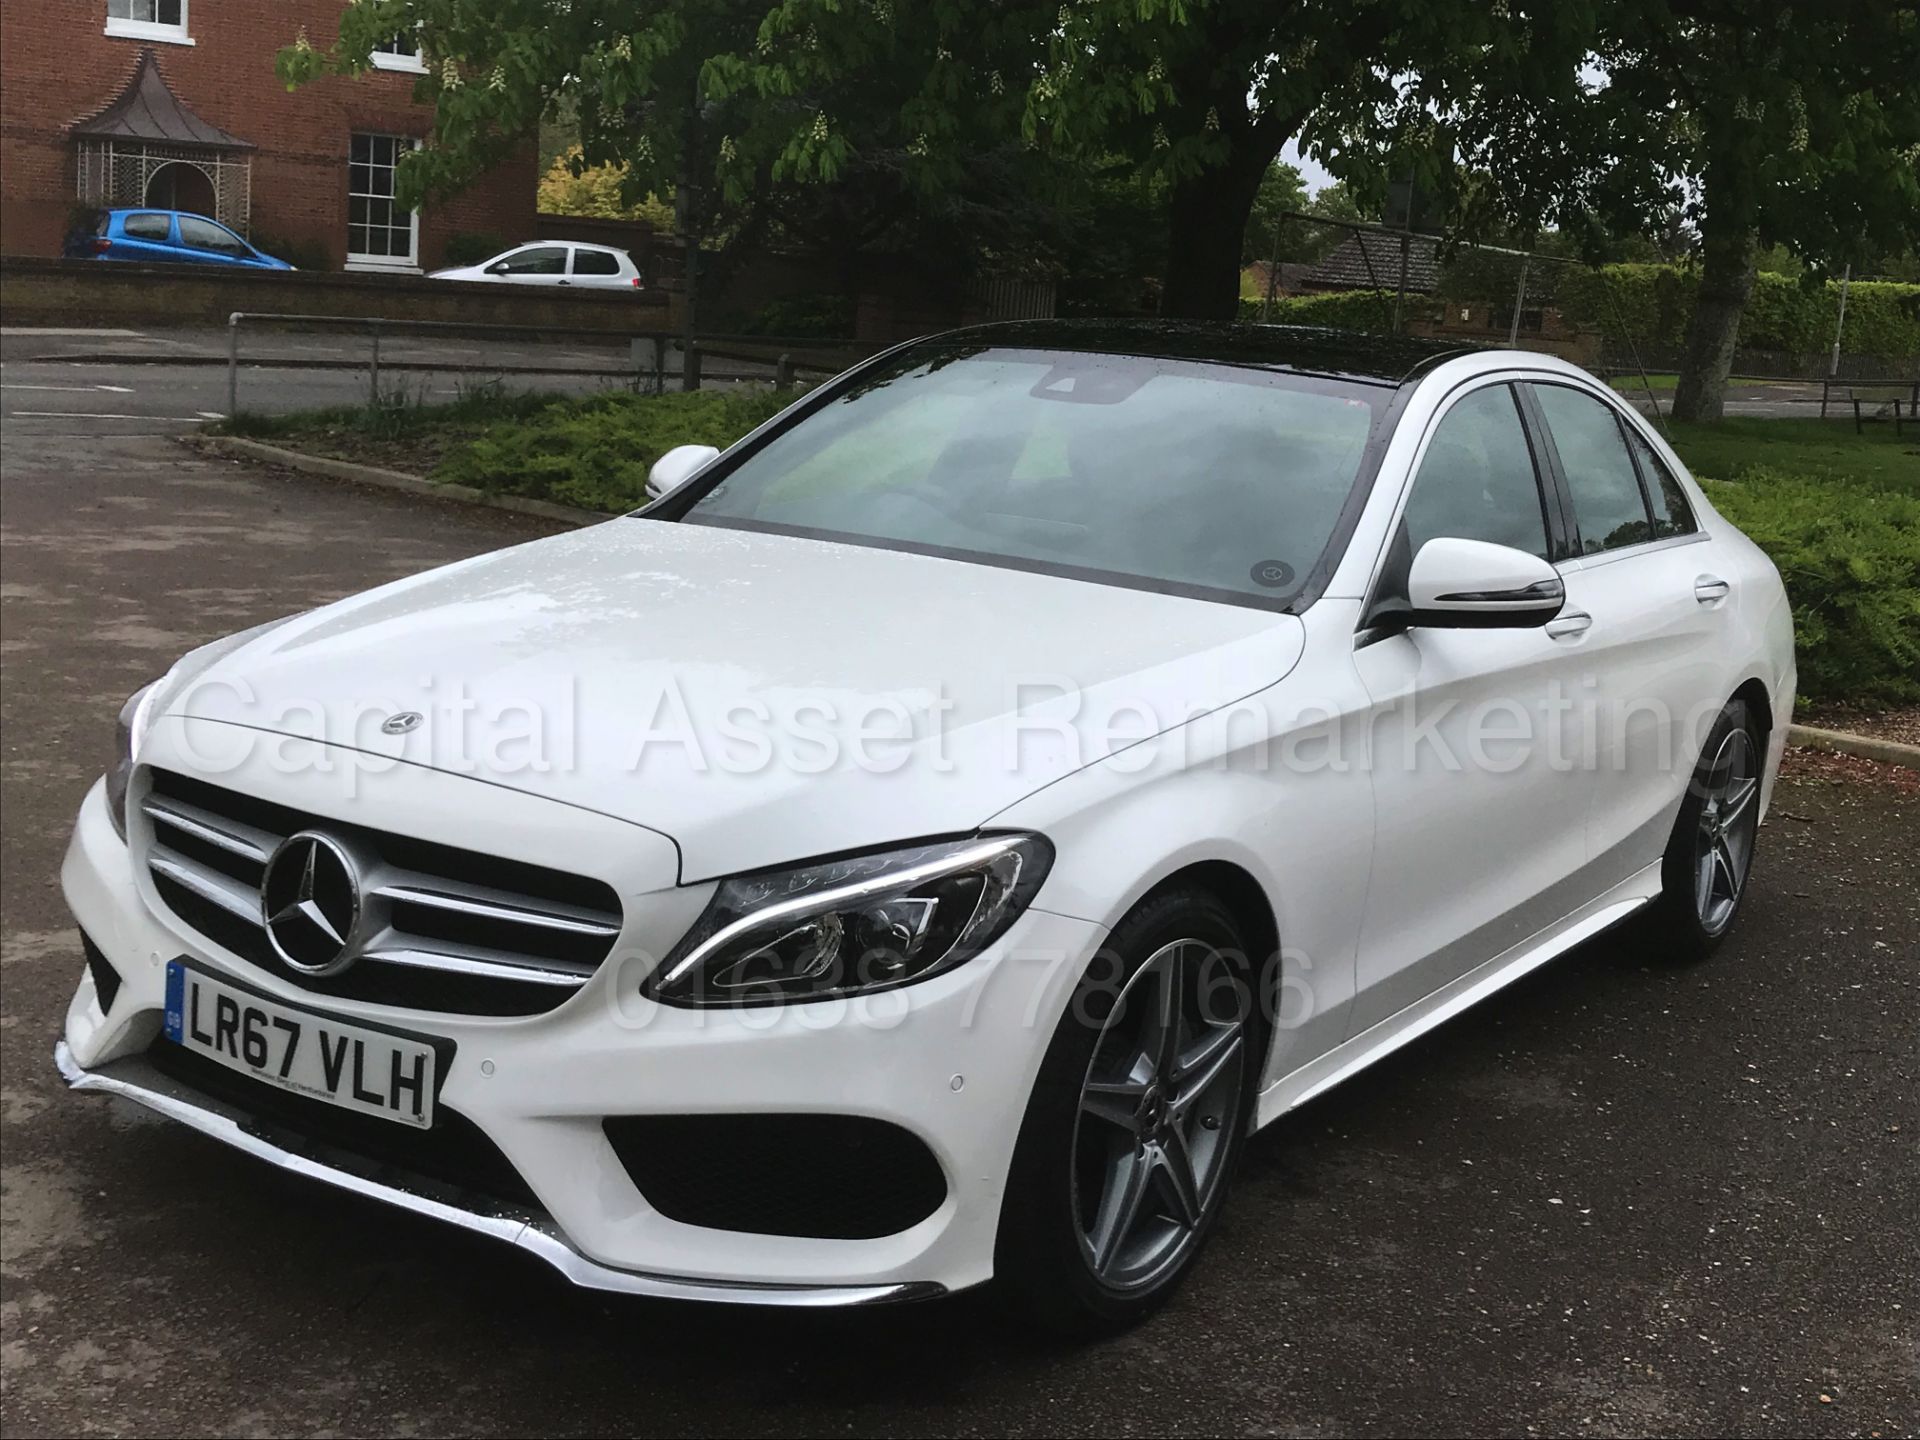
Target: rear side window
[[1607, 502], [595, 262], [144, 227], [1477, 480], [1672, 515]]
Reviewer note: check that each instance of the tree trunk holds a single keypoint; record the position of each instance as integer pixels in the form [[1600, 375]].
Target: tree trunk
[[1204, 236], [1726, 281]]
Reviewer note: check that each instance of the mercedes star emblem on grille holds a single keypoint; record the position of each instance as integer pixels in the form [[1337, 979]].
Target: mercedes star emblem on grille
[[310, 901], [401, 724]]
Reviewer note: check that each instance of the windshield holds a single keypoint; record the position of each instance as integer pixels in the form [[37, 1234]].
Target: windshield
[[1212, 480]]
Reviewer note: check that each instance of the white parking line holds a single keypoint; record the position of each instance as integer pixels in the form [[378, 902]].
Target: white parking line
[[62, 330], [100, 415], [69, 389]]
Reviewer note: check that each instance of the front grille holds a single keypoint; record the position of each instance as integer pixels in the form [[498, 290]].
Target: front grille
[[442, 929], [454, 1150], [825, 1177]]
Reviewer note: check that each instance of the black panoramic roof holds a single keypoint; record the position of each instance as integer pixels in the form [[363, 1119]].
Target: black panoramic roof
[[1381, 359]]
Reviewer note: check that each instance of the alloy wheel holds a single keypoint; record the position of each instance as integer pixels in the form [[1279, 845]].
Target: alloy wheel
[[1157, 1109], [1723, 840]]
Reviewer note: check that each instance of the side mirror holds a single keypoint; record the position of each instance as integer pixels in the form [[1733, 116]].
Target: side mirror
[[499, 267], [1471, 584], [676, 467]]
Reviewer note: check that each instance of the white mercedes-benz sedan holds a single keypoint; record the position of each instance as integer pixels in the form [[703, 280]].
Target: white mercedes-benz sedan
[[921, 845]]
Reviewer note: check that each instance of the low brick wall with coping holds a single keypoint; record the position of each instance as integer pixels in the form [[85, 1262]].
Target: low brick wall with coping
[[38, 291]]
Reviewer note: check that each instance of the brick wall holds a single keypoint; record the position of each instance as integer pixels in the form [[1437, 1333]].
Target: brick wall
[[57, 66], [37, 291]]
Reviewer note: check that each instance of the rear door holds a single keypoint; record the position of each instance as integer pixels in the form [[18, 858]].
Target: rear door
[[1659, 619], [599, 269]]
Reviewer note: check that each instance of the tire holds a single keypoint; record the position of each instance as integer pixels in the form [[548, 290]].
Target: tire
[[1709, 856], [1062, 1262]]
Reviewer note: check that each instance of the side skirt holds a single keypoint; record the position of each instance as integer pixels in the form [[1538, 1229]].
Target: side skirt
[[1352, 1056]]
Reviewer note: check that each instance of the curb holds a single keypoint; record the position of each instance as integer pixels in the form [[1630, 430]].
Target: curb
[[393, 479], [1867, 747]]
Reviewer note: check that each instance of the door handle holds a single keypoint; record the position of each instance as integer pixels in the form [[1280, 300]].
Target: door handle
[[1569, 623], [1710, 589]]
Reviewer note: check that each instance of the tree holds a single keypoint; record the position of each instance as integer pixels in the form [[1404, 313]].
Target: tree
[[1282, 190], [572, 187], [718, 99], [1761, 125]]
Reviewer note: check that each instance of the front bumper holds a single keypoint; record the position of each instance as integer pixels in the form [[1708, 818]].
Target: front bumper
[[952, 1061]]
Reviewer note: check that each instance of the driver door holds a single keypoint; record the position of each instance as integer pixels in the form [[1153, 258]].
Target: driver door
[[1480, 788]]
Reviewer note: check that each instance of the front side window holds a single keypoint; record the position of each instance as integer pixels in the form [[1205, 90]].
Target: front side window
[[1607, 503], [1477, 480], [1204, 479], [595, 262], [541, 260], [379, 233], [147, 227], [205, 235], [148, 19]]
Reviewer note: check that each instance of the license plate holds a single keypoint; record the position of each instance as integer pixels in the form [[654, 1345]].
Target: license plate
[[375, 1072]]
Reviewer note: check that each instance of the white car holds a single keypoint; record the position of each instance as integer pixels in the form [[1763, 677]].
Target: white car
[[920, 847], [553, 262]]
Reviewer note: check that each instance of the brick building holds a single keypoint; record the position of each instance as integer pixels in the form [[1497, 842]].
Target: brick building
[[174, 103]]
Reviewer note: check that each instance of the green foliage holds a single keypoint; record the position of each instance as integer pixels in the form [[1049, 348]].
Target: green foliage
[[1839, 514], [1850, 556], [570, 186], [306, 254], [470, 247], [1369, 310], [596, 452], [822, 316], [1656, 301]]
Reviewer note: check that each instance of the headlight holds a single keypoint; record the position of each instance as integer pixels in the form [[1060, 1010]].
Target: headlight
[[127, 733], [853, 926]]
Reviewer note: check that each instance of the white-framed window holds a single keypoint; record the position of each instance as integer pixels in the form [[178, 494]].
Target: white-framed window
[[164, 20], [399, 54], [380, 235]]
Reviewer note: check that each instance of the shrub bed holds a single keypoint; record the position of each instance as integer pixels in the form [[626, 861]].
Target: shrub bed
[[1852, 570]]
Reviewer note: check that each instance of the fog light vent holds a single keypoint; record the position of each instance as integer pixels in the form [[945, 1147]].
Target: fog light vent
[[106, 979], [824, 1177]]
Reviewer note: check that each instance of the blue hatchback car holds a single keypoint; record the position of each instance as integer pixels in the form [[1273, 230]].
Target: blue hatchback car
[[165, 237]]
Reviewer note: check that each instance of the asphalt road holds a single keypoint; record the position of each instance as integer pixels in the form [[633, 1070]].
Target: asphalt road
[[1614, 1199], [160, 382]]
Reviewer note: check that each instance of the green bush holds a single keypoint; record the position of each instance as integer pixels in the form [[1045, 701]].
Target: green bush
[[825, 316], [301, 254], [1850, 556], [596, 452], [470, 247]]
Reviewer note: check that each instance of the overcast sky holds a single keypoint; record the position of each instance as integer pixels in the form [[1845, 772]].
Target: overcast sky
[[1316, 177]]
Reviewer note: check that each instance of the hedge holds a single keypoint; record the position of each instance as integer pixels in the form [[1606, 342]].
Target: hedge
[[1850, 557], [1656, 301], [1370, 310]]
